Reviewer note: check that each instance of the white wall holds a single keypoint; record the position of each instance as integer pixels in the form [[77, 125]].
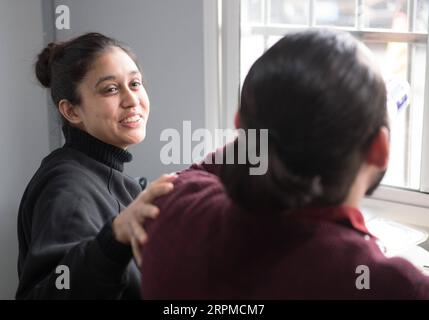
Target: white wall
[[167, 37], [23, 123]]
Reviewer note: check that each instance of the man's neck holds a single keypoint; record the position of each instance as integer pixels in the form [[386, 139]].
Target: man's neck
[[358, 189]]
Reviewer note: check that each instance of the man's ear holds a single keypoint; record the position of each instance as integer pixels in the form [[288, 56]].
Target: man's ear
[[69, 112], [237, 123], [378, 151]]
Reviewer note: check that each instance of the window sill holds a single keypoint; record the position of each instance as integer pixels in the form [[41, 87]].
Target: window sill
[[414, 217], [402, 213]]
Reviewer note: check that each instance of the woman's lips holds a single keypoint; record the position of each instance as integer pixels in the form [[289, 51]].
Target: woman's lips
[[132, 121]]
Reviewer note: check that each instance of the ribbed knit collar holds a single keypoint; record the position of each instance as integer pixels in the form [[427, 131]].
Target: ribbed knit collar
[[107, 154]]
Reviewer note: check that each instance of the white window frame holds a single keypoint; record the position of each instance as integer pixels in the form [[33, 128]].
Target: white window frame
[[222, 78]]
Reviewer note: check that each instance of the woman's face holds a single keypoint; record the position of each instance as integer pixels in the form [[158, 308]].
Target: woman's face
[[114, 104]]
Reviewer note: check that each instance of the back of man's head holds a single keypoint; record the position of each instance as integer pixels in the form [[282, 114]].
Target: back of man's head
[[323, 101]]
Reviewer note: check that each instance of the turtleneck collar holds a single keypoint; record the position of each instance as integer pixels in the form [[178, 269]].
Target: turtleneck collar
[[107, 154]]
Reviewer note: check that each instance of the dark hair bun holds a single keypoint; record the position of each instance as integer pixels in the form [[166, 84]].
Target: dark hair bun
[[43, 64]]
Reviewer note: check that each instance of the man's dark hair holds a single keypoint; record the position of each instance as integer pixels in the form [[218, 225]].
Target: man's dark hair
[[323, 103]]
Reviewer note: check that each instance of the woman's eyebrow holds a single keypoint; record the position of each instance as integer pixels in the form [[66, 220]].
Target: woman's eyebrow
[[104, 79], [111, 77]]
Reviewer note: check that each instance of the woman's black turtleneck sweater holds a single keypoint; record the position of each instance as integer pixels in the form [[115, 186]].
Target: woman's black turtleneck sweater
[[65, 219]]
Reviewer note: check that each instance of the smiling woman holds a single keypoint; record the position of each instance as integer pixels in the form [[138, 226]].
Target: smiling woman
[[97, 91], [114, 104], [80, 213]]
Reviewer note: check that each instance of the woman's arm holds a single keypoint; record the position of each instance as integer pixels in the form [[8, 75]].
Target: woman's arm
[[66, 232], [128, 226]]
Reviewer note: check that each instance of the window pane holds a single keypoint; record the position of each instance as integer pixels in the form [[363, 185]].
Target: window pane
[[406, 127], [416, 114], [251, 11], [422, 13], [400, 60], [272, 40], [289, 11], [392, 59], [390, 14], [251, 48], [335, 12]]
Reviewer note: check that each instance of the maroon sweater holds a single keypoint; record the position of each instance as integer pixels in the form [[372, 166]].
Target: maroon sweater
[[203, 246]]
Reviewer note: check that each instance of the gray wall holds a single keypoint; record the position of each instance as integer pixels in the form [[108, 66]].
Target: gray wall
[[166, 35], [23, 122]]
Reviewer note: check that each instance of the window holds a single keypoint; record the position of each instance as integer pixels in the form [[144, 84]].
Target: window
[[396, 32]]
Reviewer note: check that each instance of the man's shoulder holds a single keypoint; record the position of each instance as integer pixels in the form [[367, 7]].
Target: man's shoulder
[[390, 277], [398, 277], [198, 198], [198, 176], [193, 187]]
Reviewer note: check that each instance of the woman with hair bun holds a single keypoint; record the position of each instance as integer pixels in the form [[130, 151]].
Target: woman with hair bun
[[80, 218]]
